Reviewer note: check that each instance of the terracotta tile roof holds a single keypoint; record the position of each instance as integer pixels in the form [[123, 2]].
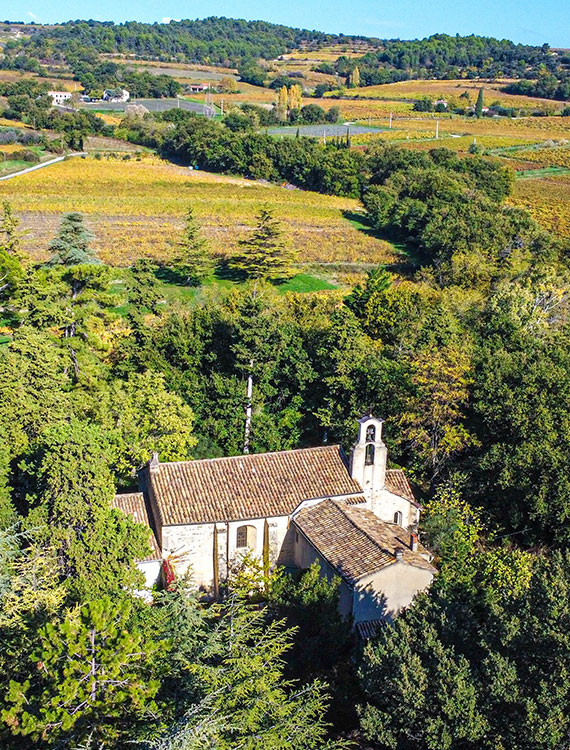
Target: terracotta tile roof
[[354, 541], [397, 482], [253, 486], [133, 504]]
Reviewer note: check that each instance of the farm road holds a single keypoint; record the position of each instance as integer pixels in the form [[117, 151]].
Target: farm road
[[40, 166]]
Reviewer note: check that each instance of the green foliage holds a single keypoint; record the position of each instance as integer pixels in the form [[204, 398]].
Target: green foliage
[[142, 417], [420, 693], [484, 670], [479, 104], [265, 254], [192, 260], [377, 280], [246, 700], [91, 679], [72, 488], [431, 420], [71, 246], [11, 269]]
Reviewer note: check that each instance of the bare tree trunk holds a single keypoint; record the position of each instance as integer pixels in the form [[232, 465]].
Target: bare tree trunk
[[216, 565], [248, 408]]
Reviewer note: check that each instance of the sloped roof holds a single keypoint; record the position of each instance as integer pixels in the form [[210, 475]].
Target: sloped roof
[[397, 483], [251, 486], [354, 541], [133, 504]]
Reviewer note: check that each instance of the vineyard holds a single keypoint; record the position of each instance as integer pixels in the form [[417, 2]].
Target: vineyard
[[548, 200], [451, 91], [135, 208]]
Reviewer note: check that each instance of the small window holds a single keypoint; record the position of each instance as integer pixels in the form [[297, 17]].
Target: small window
[[369, 460], [398, 518], [246, 536], [370, 433]]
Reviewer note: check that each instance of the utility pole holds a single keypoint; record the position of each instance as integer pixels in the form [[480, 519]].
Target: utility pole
[[436, 129], [222, 108], [390, 121]]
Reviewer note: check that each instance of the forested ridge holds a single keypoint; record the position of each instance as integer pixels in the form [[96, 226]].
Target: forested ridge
[[235, 42]]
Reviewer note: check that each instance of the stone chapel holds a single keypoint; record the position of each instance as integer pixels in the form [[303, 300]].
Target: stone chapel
[[352, 514]]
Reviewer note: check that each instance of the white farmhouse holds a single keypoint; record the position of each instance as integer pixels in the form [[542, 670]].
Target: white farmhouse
[[116, 95], [352, 514], [59, 98]]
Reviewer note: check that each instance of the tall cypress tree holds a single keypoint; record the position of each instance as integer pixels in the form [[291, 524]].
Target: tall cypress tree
[[479, 104]]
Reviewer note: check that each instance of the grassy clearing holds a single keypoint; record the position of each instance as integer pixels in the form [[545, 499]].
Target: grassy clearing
[[136, 209], [179, 294]]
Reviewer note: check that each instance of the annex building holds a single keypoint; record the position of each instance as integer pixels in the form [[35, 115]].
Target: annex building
[[352, 514]]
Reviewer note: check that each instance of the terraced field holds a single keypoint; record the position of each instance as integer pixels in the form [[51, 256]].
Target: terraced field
[[135, 208]]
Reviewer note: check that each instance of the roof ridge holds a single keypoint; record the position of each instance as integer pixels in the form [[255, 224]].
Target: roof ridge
[[366, 534], [250, 455]]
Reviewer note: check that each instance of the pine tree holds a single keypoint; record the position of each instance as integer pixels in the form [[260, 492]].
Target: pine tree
[[193, 260], [479, 104], [264, 254], [10, 239], [90, 682], [71, 246], [246, 702]]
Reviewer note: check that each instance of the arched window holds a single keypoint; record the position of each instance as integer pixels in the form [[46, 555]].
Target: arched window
[[370, 433], [369, 454], [246, 536], [398, 518]]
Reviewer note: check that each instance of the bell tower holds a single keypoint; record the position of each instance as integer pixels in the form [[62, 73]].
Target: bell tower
[[368, 457]]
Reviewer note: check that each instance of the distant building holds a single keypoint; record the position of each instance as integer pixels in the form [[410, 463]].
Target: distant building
[[59, 97], [354, 516], [199, 88], [116, 95]]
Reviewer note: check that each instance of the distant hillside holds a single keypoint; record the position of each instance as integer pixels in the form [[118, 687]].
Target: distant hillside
[[79, 45], [218, 41]]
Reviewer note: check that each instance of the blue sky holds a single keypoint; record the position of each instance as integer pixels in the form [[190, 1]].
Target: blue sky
[[530, 22]]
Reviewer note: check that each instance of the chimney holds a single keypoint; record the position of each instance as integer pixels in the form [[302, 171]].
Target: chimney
[[414, 541], [399, 554], [154, 463]]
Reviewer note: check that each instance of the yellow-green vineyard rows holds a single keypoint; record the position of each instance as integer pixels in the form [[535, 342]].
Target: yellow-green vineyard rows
[[548, 200], [136, 208]]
